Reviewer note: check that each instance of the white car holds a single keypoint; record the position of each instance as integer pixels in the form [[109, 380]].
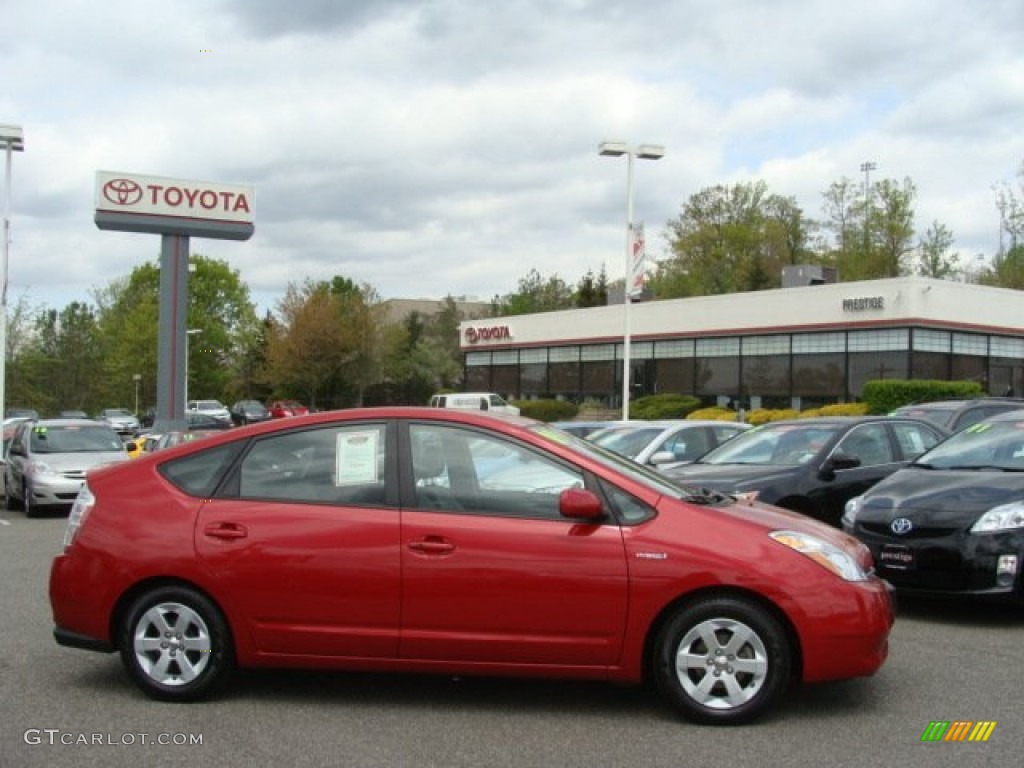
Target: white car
[[47, 461], [660, 443], [122, 420], [214, 408]]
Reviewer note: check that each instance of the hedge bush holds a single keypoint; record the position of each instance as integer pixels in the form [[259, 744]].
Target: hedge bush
[[547, 410], [885, 395], [668, 406]]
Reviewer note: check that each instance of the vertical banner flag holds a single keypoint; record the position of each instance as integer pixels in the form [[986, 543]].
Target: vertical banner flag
[[637, 261]]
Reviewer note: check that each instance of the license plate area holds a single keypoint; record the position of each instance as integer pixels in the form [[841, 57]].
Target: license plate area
[[898, 557]]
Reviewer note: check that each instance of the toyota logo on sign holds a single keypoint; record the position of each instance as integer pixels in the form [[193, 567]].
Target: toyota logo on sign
[[901, 526], [122, 192]]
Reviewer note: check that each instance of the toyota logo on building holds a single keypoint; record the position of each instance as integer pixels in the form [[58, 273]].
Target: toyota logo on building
[[122, 192], [901, 526]]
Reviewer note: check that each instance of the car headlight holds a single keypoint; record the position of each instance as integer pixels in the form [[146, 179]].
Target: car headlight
[[850, 511], [42, 468], [824, 554], [1002, 518]]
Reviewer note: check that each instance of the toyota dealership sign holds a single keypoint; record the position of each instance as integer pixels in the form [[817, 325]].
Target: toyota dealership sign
[[134, 203]]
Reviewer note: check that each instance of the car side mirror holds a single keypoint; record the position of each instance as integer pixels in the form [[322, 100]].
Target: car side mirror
[[663, 457], [580, 504], [836, 462]]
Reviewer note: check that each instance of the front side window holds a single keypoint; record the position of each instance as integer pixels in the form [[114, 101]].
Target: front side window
[[869, 443], [328, 465]]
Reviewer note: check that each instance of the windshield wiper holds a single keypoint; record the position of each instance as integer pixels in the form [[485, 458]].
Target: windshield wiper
[[920, 465]]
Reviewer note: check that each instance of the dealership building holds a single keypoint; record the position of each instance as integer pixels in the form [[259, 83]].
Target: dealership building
[[797, 347]]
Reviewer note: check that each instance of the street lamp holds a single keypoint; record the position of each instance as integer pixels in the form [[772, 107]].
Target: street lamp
[[188, 335], [644, 152], [137, 378], [12, 139]]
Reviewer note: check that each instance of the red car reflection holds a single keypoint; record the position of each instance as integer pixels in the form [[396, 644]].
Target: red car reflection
[[455, 542]]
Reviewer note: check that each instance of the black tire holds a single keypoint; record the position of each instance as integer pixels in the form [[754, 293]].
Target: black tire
[[10, 501], [176, 645], [31, 509], [722, 660]]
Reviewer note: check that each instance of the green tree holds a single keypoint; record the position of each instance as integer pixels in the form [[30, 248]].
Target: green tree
[[534, 294], [729, 239], [935, 258]]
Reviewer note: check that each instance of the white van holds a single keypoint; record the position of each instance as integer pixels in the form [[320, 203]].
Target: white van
[[482, 401]]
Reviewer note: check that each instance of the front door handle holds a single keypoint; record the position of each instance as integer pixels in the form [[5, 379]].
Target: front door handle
[[225, 531], [432, 545]]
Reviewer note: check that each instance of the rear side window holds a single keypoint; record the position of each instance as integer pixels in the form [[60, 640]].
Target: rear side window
[[327, 465], [199, 474]]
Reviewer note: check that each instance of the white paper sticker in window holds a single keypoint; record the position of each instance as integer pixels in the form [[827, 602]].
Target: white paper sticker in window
[[357, 458]]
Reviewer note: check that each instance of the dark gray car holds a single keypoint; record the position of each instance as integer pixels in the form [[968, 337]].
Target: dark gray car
[[811, 466]]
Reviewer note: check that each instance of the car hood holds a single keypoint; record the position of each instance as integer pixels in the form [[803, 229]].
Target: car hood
[[950, 496], [729, 477], [67, 462]]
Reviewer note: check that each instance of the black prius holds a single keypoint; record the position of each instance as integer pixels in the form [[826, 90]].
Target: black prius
[[811, 466], [952, 521]]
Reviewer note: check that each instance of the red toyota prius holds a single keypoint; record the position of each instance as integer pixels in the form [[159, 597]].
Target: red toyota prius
[[456, 542]]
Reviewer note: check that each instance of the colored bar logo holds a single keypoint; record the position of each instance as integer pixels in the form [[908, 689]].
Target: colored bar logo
[[958, 730]]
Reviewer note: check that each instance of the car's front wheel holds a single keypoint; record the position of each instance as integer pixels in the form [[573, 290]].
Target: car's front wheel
[[11, 501], [175, 644], [722, 660], [30, 507]]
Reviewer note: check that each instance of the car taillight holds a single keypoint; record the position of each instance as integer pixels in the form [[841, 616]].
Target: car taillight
[[83, 505]]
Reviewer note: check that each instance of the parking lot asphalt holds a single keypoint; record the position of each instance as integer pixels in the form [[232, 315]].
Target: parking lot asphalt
[[63, 707]]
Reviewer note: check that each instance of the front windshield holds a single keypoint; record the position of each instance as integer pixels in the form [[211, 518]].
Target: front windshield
[[783, 445], [627, 441], [74, 439], [986, 445], [638, 472]]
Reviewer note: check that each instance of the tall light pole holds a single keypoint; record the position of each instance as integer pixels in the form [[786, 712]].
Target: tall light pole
[[188, 335], [866, 168], [644, 152], [137, 378], [13, 140]]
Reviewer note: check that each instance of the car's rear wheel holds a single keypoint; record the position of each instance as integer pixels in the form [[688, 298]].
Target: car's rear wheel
[[722, 660], [176, 645]]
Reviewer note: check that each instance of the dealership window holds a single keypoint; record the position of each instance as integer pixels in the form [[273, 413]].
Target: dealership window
[[970, 359], [564, 372], [766, 367], [930, 357], [478, 371], [875, 355], [533, 372], [675, 376], [718, 367], [819, 378]]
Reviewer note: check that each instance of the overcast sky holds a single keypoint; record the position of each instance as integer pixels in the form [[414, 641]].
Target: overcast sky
[[435, 147]]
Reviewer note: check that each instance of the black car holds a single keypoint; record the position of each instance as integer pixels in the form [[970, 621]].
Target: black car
[[248, 412], [952, 521], [954, 415], [811, 466]]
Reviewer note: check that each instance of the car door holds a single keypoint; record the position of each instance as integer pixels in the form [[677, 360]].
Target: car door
[[492, 573], [17, 457], [870, 444], [305, 542]]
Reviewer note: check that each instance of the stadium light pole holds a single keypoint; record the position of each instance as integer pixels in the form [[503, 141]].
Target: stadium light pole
[[644, 152], [866, 168], [12, 139]]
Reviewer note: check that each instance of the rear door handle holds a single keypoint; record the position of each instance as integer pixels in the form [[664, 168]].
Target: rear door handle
[[225, 531]]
